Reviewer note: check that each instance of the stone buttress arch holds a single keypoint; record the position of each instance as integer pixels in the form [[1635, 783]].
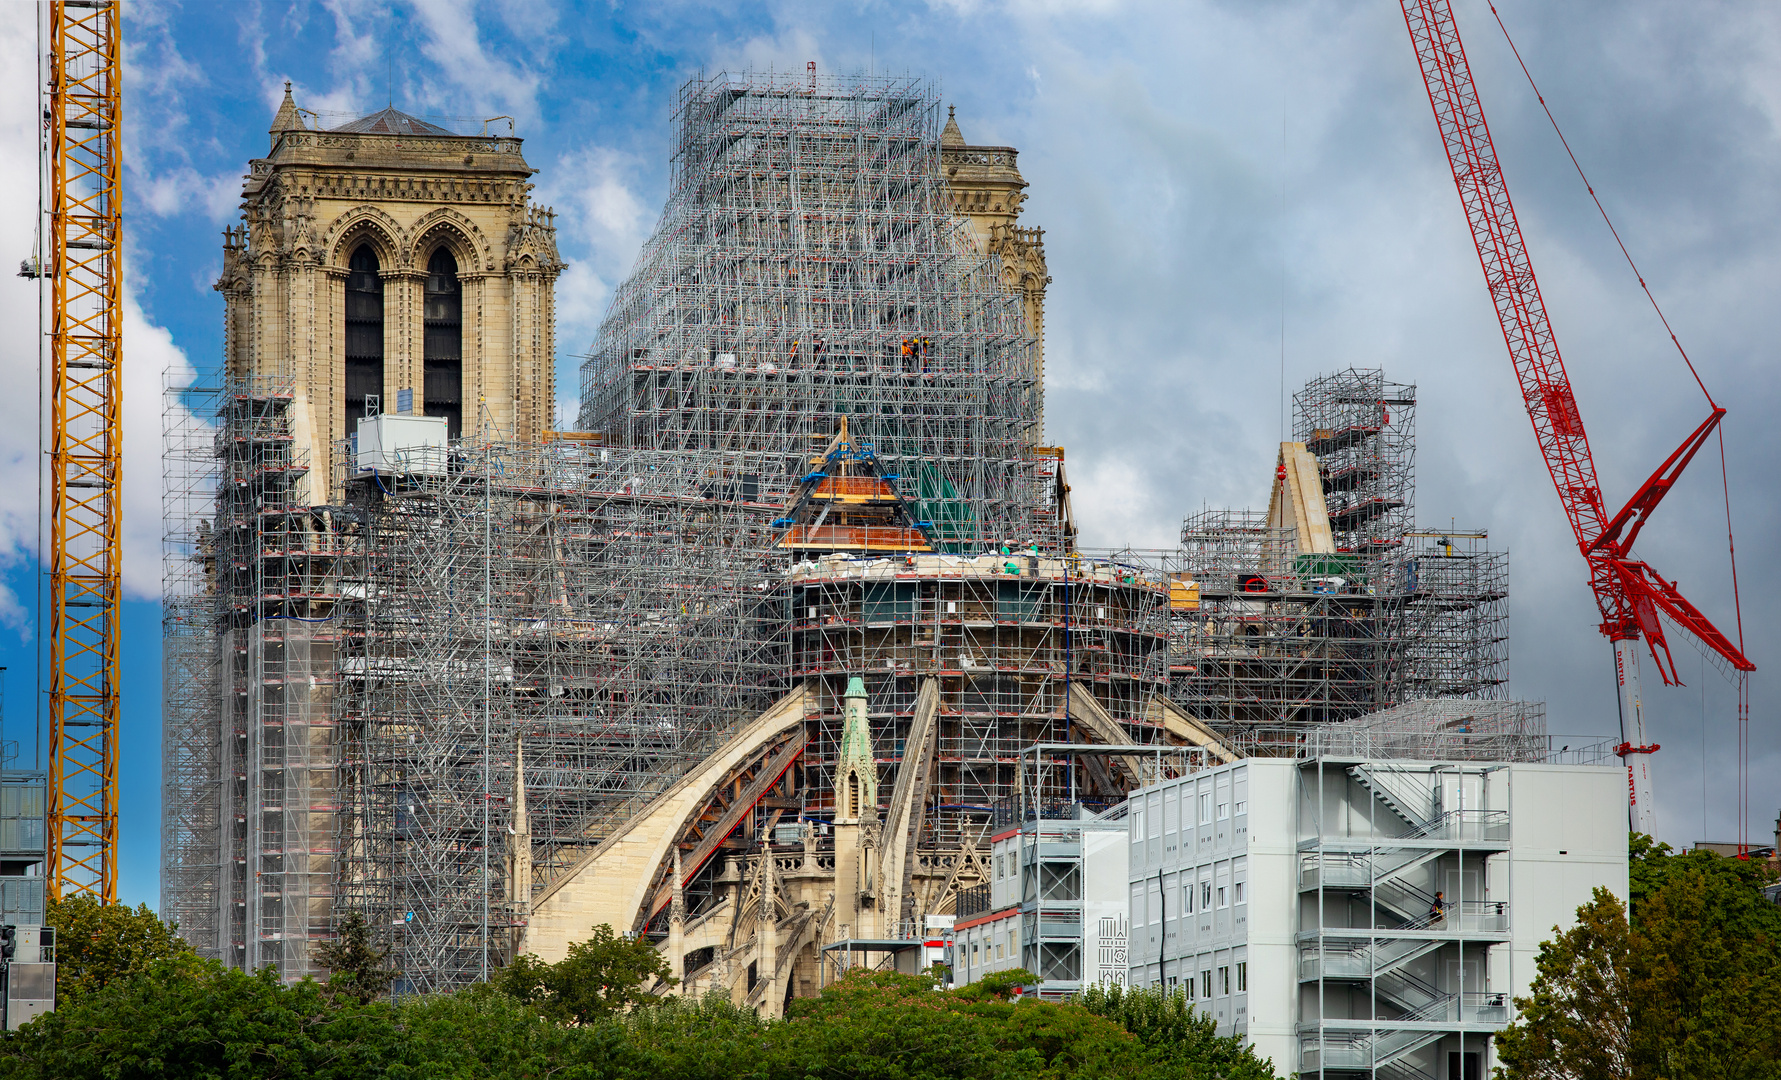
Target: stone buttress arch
[[616, 881]]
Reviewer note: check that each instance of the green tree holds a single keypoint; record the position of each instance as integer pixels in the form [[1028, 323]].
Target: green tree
[[601, 976], [1647, 865], [1178, 1039], [997, 984], [356, 968], [885, 1025], [1705, 974], [202, 1021], [1577, 1020], [98, 943], [1690, 986], [708, 1039], [174, 1019]]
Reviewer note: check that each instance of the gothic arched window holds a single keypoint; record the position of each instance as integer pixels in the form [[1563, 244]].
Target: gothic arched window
[[444, 342], [364, 333]]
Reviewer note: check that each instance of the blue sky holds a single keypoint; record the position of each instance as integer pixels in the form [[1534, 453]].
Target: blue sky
[[1208, 175]]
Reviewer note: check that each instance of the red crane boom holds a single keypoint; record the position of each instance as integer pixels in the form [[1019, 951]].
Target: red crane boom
[[1630, 594]]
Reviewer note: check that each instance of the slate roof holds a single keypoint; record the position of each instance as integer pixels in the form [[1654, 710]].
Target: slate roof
[[393, 122]]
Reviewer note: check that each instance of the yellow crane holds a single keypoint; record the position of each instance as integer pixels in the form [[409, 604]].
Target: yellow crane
[[85, 267]]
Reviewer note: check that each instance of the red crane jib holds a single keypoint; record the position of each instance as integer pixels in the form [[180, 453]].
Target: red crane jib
[[1630, 595]]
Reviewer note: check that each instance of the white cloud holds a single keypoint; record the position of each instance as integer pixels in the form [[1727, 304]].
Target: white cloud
[[151, 360], [183, 190], [788, 51], [468, 74], [19, 460], [602, 222]]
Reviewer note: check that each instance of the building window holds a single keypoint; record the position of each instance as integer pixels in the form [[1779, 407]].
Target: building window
[[1224, 810], [364, 334], [1242, 807], [1224, 980], [1206, 809], [1243, 977], [1205, 984], [1205, 895], [998, 868], [443, 315], [998, 950], [1237, 890], [1187, 899], [1221, 896]]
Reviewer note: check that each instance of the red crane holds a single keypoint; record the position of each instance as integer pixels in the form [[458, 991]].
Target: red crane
[[1632, 596]]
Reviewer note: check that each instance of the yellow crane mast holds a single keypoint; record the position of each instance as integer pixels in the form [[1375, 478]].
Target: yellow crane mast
[[85, 269]]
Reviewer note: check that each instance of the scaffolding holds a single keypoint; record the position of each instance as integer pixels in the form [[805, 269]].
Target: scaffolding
[[250, 759], [193, 876], [1262, 634], [614, 613], [351, 686], [809, 265], [1362, 428], [1456, 592], [1429, 730], [1267, 637], [1003, 636]]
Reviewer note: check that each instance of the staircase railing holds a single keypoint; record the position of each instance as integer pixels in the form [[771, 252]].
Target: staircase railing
[[1410, 796]]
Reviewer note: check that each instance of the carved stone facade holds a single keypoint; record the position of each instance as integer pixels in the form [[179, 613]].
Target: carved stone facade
[[470, 336], [987, 183]]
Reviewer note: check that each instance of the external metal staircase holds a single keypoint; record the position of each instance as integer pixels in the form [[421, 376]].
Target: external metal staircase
[[1386, 928], [1409, 796]]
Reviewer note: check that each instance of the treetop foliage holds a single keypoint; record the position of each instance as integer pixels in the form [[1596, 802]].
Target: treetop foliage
[[97, 943], [593, 1016], [355, 967], [1688, 985], [603, 975]]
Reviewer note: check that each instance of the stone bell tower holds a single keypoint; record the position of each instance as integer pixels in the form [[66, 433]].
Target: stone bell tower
[[389, 264], [987, 185]]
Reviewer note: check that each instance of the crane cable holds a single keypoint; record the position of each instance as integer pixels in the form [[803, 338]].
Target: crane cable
[[1724, 476], [1599, 208]]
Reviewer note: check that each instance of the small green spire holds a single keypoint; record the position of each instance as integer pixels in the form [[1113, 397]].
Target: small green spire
[[856, 752]]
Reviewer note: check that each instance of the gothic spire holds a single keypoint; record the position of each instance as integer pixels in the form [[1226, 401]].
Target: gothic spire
[[287, 118]]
